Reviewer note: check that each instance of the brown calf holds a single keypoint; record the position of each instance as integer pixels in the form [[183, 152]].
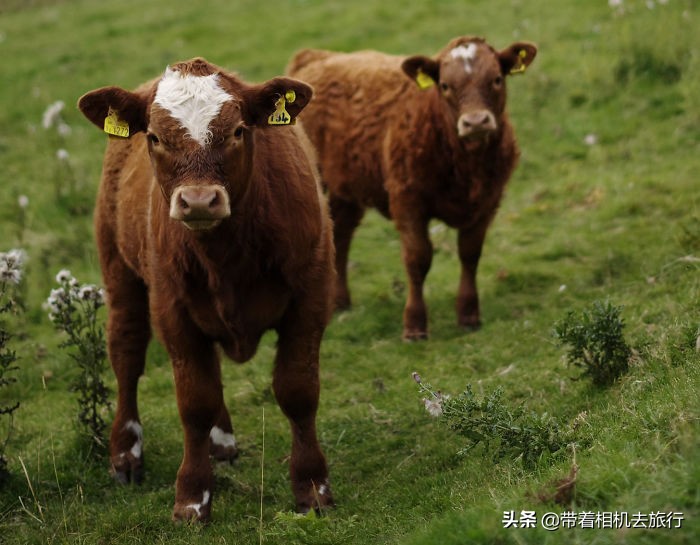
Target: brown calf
[[211, 226], [445, 152]]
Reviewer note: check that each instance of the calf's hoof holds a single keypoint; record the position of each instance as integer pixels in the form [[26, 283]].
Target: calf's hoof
[[127, 468], [412, 335], [197, 510], [317, 498], [469, 323]]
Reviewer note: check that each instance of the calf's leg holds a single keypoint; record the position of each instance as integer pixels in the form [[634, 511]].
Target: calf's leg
[[128, 334], [417, 254], [346, 217], [296, 386], [200, 402], [469, 242]]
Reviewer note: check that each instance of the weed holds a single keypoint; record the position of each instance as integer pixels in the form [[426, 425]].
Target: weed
[[73, 309], [596, 342], [10, 276], [511, 431]]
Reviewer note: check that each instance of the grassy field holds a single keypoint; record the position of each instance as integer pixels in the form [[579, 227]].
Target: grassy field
[[605, 205]]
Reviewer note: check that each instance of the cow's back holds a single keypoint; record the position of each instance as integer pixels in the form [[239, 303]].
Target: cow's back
[[358, 97]]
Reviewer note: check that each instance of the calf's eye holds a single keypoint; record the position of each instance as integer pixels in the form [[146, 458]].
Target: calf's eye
[[444, 87], [153, 139], [238, 132], [498, 81]]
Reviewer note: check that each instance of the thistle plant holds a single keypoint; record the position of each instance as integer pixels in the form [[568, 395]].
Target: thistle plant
[[506, 431], [73, 308], [596, 342], [10, 276]]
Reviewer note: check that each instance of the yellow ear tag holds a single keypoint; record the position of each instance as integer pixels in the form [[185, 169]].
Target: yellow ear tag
[[280, 115], [114, 126], [519, 67], [424, 81], [290, 96]]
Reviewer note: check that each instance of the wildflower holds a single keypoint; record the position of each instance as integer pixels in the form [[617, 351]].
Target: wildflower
[[590, 139], [433, 406], [11, 266], [63, 128], [90, 292], [62, 155], [63, 276], [16, 257], [416, 377], [650, 4], [615, 3], [23, 201], [52, 114]]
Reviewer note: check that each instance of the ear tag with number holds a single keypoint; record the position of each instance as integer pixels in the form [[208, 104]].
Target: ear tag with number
[[280, 116], [423, 80], [113, 125], [520, 66]]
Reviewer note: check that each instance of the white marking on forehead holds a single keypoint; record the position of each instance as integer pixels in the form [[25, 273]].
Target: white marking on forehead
[[193, 100], [466, 53]]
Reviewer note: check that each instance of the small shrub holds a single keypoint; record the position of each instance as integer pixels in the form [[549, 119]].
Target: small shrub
[[596, 342], [73, 309], [10, 276], [510, 432]]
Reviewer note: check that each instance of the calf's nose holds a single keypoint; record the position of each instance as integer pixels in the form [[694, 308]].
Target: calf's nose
[[200, 206], [476, 122]]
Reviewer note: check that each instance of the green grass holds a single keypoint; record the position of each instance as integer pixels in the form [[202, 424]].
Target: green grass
[[616, 220]]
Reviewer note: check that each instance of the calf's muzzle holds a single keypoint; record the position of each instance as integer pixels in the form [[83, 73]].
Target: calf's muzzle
[[200, 207], [476, 123]]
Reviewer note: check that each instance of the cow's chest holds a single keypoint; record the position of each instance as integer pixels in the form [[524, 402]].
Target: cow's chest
[[237, 314], [460, 205]]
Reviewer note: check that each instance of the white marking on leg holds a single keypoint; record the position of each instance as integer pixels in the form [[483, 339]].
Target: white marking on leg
[[193, 100], [198, 506], [135, 428], [467, 54], [221, 438], [322, 490]]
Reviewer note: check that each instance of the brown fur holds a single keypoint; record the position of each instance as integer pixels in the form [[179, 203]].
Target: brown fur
[[268, 265], [383, 143]]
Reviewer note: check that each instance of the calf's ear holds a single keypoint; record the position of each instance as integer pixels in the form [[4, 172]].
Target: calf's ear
[[275, 102], [115, 110], [517, 57], [423, 70]]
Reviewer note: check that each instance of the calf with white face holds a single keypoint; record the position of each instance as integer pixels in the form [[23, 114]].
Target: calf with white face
[[210, 225]]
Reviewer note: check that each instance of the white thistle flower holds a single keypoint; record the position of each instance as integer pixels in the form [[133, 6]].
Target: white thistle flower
[[51, 114], [16, 256], [591, 139], [63, 128], [62, 155], [23, 201], [433, 406], [63, 275], [11, 266]]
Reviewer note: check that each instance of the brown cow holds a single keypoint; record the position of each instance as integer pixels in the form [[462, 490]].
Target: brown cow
[[445, 152], [212, 223]]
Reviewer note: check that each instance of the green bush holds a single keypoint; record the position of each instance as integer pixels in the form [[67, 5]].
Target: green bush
[[596, 342]]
